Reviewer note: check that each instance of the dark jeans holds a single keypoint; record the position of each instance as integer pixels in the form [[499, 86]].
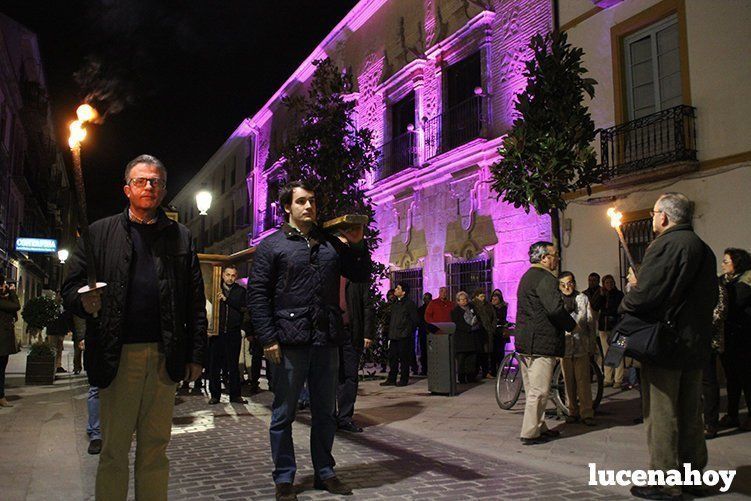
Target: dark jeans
[[422, 338], [224, 356], [93, 427], [400, 356], [3, 366], [738, 375], [320, 366], [346, 392], [711, 392]]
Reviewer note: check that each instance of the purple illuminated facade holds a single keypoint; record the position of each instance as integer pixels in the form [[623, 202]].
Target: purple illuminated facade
[[435, 81]]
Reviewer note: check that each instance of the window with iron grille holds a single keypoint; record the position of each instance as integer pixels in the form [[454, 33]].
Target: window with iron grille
[[638, 235], [413, 278], [469, 276]]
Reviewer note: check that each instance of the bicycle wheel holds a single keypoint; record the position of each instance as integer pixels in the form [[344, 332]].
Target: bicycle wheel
[[596, 378], [558, 387], [508, 383]]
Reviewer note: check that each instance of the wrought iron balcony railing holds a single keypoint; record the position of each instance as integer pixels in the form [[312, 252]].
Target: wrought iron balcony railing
[[273, 217], [661, 138], [398, 154], [454, 127]]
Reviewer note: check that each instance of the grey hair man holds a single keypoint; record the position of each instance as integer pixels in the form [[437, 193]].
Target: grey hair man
[[541, 325], [144, 333], [676, 282]]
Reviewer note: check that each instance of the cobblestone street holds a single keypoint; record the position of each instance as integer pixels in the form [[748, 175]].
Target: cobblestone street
[[415, 446]]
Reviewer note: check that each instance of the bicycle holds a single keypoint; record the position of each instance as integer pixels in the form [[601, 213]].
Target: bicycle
[[508, 385]]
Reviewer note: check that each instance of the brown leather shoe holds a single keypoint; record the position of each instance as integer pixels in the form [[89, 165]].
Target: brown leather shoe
[[285, 491], [333, 485]]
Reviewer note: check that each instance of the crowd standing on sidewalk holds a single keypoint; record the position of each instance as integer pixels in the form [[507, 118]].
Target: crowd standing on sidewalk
[[309, 313]]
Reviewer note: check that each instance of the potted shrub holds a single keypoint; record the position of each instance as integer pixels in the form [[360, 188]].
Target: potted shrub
[[38, 313]]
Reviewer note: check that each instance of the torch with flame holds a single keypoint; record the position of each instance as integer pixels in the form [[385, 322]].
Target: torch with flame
[[85, 113], [615, 221]]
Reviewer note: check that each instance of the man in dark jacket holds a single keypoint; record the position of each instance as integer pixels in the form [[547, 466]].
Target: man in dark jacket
[[145, 331], [293, 298], [422, 333], [224, 348], [402, 325], [676, 283], [541, 325], [359, 324]]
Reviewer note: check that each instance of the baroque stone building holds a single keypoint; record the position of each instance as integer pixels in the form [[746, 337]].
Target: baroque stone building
[[435, 80]]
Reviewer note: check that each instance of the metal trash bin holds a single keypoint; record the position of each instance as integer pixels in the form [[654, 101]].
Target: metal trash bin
[[441, 360]]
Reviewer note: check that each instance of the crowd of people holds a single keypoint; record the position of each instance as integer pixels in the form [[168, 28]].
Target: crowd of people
[[309, 312]]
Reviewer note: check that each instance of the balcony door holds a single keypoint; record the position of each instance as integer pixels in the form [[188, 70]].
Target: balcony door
[[462, 116], [653, 84]]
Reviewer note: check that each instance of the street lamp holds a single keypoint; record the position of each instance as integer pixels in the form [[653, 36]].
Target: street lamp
[[203, 202], [62, 255]]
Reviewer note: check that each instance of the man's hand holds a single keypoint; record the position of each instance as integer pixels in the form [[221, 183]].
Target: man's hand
[[631, 277], [368, 343], [81, 345], [11, 287], [192, 371], [220, 297], [273, 353], [92, 301], [353, 234]]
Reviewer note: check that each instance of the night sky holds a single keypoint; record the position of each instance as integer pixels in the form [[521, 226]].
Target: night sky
[[176, 82]]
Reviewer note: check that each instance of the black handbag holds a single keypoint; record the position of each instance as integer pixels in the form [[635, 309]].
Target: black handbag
[[643, 340]]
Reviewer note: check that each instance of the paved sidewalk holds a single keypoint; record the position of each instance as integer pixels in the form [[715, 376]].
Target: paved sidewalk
[[415, 446]]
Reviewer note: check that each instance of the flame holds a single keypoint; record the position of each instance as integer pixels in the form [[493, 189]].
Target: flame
[[615, 217], [77, 134], [86, 113]]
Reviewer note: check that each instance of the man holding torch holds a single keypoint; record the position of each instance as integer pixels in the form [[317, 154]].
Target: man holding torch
[[294, 302], [676, 284], [145, 331]]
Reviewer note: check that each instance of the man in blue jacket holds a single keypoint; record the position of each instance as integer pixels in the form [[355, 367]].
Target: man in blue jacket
[[293, 298]]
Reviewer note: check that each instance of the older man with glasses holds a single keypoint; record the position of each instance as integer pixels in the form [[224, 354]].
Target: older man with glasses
[[541, 325], [145, 331]]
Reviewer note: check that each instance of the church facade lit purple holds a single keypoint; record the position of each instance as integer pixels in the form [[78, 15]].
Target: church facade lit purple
[[436, 82]]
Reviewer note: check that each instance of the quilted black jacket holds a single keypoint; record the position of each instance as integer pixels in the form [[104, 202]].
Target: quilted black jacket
[[293, 290], [182, 304]]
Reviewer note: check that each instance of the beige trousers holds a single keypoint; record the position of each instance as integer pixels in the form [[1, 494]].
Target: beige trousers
[[578, 386], [537, 372], [611, 375], [140, 399]]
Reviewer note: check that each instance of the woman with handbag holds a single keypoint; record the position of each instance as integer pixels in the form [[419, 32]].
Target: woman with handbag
[[736, 359], [606, 302], [579, 348]]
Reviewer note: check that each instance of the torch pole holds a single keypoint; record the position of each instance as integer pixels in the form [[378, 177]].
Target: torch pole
[[629, 257], [83, 220]]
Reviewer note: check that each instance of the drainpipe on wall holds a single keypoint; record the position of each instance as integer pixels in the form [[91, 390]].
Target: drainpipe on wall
[[556, 15]]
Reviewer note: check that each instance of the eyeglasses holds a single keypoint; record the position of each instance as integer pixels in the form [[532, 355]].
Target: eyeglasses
[[653, 212], [140, 182]]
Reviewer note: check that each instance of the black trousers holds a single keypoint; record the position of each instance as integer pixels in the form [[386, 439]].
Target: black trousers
[[3, 366], [224, 354], [256, 359], [400, 357], [710, 392], [737, 366], [346, 392], [422, 338]]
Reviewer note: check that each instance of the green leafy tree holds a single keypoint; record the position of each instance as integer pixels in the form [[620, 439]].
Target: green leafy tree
[[327, 149], [547, 153]]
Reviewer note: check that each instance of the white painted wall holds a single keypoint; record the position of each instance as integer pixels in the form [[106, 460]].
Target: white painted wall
[[721, 218]]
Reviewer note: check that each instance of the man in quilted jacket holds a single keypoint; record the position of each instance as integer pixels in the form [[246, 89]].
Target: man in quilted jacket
[[294, 303]]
